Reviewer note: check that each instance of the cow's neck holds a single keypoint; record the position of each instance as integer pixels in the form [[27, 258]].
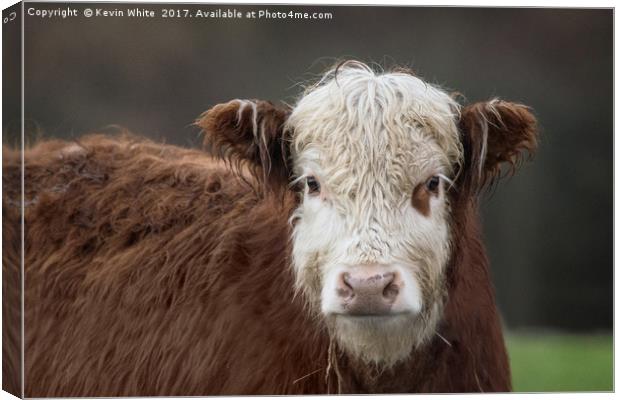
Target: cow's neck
[[349, 375]]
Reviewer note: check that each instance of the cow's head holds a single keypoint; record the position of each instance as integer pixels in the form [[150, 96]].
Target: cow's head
[[377, 160]]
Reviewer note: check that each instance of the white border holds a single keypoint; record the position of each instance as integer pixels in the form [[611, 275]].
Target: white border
[[453, 3]]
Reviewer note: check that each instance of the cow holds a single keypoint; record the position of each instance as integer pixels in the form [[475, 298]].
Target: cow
[[333, 246]]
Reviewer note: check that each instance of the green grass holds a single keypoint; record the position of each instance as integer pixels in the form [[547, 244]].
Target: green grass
[[561, 363]]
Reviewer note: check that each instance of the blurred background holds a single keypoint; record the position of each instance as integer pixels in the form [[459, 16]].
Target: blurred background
[[548, 230]]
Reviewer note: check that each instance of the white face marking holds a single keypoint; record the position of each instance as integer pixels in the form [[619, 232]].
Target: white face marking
[[369, 140]]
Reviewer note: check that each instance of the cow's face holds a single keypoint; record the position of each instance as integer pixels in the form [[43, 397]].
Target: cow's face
[[373, 158]]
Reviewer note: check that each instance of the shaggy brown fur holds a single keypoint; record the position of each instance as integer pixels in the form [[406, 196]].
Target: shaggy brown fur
[[11, 274], [149, 272], [155, 270]]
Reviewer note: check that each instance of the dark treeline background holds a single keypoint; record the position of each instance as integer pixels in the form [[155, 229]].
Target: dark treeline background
[[548, 230]]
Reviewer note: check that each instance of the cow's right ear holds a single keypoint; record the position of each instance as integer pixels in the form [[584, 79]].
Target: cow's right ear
[[250, 133]]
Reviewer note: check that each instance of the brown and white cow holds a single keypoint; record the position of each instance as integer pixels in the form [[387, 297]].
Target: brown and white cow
[[336, 248]]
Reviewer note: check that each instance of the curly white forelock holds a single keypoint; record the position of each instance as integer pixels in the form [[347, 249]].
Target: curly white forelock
[[354, 98]]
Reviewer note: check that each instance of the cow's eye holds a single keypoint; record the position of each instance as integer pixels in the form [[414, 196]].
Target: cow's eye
[[314, 187], [432, 185]]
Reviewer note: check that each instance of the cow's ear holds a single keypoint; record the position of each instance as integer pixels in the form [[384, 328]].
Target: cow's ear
[[250, 135], [495, 133]]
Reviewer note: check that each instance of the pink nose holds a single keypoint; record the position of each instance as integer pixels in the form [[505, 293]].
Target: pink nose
[[368, 290]]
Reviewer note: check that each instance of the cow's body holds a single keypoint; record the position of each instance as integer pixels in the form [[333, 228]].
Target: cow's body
[[161, 274], [152, 270], [335, 248]]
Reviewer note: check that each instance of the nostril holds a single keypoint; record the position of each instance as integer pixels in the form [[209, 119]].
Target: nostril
[[391, 291], [345, 289], [346, 279]]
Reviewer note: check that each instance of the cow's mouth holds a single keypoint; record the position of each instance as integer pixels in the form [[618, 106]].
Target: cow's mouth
[[387, 321], [371, 316], [372, 321]]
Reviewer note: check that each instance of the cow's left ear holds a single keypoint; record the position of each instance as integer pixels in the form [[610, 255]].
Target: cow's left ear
[[494, 133], [250, 134]]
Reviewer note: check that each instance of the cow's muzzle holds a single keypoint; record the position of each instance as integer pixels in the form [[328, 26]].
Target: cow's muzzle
[[368, 290]]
